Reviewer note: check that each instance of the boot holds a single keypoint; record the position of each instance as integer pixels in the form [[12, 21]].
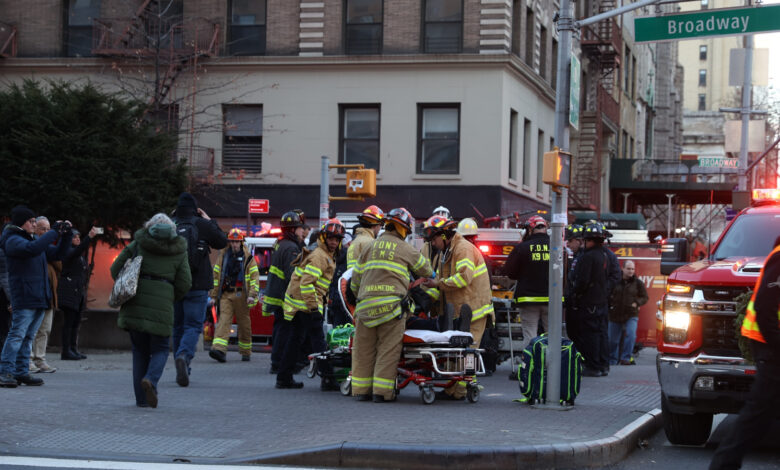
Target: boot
[[445, 319], [74, 341], [465, 318], [67, 350]]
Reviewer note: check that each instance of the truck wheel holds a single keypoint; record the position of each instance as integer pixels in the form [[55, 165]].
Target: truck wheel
[[681, 429]]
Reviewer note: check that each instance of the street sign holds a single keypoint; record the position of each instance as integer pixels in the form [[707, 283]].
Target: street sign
[[574, 92], [258, 206], [706, 23]]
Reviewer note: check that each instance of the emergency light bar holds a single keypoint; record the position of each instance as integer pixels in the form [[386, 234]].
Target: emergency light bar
[[766, 194]]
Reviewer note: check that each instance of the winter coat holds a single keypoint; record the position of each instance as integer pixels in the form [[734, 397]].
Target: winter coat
[[26, 258], [308, 288], [529, 263], [590, 278], [54, 270], [210, 234], [381, 278], [4, 275], [165, 277], [249, 276], [364, 238], [463, 278], [626, 293], [285, 251], [72, 288]]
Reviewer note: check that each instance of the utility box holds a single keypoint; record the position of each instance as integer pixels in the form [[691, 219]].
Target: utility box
[[361, 183], [557, 168]]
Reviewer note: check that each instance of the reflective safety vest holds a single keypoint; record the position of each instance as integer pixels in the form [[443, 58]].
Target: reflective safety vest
[[749, 324], [251, 284], [310, 281]]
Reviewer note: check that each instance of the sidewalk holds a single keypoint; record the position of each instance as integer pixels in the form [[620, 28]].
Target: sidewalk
[[231, 413]]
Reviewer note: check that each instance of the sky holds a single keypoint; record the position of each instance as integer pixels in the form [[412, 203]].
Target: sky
[[771, 41]]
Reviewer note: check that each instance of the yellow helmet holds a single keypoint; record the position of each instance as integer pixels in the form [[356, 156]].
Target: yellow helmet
[[467, 227]]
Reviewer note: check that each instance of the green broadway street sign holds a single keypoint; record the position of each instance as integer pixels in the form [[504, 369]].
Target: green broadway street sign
[[722, 22]]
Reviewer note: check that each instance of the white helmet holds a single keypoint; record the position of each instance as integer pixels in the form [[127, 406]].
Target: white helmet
[[467, 227], [442, 211]]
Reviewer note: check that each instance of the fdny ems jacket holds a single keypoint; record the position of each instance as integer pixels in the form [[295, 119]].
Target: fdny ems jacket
[[251, 275], [312, 273], [381, 278], [285, 251], [463, 277], [529, 264], [364, 238]]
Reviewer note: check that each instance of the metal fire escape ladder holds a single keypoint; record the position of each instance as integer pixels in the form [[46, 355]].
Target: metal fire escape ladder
[[7, 40]]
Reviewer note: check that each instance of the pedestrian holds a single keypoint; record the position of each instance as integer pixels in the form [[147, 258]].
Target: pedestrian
[[380, 283], [41, 341], [236, 288], [202, 235], [304, 303], [28, 282], [589, 303], [763, 332], [285, 250], [370, 223], [148, 317], [5, 297], [528, 263], [72, 293], [626, 298], [463, 281]]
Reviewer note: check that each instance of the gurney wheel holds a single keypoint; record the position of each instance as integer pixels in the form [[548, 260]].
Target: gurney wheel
[[427, 395], [472, 393], [311, 371], [345, 387]]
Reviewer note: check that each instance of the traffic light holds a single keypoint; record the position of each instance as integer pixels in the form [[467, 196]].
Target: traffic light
[[557, 168], [361, 182]]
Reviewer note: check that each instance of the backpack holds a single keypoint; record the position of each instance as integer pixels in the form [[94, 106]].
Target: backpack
[[196, 249], [532, 373]]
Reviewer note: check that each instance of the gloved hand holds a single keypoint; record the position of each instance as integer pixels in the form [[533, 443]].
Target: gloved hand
[[250, 300]]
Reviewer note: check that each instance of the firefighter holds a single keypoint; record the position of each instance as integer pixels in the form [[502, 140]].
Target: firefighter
[[381, 282], [762, 327], [236, 288], [285, 250], [574, 249], [442, 211], [304, 303], [468, 229], [528, 263], [370, 224], [463, 281]]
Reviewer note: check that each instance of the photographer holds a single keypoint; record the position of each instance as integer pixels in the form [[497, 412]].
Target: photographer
[[71, 293]]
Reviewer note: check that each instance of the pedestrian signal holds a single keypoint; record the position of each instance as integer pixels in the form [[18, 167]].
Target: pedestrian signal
[[556, 170], [361, 182]]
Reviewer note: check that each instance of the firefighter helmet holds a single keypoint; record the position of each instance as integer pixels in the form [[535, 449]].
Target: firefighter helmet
[[594, 231], [468, 227], [442, 211], [333, 228], [372, 215], [573, 231], [301, 215], [235, 235], [536, 221], [291, 220], [401, 219], [437, 224]]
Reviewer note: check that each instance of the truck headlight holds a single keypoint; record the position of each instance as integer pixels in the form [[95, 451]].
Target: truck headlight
[[677, 320]]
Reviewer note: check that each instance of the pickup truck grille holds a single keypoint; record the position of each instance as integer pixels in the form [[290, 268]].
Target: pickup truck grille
[[722, 293], [719, 336]]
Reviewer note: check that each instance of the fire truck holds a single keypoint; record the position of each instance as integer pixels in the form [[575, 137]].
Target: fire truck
[[700, 367]]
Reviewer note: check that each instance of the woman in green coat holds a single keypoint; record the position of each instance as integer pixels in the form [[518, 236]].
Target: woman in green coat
[[148, 317]]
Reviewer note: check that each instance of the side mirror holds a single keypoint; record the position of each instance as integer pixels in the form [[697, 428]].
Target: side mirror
[[674, 253]]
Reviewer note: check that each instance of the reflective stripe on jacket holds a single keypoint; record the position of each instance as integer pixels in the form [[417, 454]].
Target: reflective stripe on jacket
[[363, 240], [285, 250], [463, 278], [251, 281], [750, 323], [308, 288], [381, 278]]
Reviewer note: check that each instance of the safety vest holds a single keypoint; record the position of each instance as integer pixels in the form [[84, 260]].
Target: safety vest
[[749, 324]]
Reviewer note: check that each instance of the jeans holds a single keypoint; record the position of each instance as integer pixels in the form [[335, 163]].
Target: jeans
[[615, 332], [150, 352], [15, 358], [188, 317]]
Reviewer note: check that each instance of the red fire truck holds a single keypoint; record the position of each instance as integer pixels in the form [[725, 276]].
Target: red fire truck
[[700, 367]]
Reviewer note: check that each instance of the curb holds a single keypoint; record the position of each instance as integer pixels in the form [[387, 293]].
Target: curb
[[596, 453]]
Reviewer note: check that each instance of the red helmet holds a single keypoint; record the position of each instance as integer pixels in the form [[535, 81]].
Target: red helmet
[[401, 218], [536, 221], [437, 224], [235, 234], [333, 228], [372, 216]]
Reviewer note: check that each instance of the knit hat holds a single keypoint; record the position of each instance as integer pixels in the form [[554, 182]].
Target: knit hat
[[20, 215], [188, 200]]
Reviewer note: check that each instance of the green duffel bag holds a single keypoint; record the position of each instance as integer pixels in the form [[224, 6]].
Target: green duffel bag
[[340, 335]]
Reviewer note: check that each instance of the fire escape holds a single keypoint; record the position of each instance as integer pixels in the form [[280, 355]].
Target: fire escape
[[602, 45], [164, 40], [7, 40]]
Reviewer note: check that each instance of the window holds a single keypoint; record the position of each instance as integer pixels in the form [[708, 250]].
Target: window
[[512, 144], [627, 74], [78, 33], [242, 145], [363, 33], [625, 144], [443, 26], [702, 52], [632, 85], [702, 102], [631, 147], [702, 77], [554, 66], [246, 35], [359, 135], [526, 152], [543, 51], [438, 141], [539, 161], [516, 22], [530, 36]]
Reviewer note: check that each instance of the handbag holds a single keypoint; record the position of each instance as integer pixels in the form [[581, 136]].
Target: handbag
[[126, 283]]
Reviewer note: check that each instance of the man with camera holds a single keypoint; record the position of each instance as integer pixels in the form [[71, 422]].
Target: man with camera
[[29, 287]]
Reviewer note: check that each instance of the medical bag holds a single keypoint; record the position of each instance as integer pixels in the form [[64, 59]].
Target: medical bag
[[532, 373]]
